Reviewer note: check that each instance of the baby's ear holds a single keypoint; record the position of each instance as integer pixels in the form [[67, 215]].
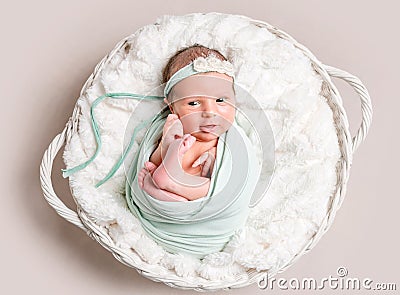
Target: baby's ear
[[170, 108]]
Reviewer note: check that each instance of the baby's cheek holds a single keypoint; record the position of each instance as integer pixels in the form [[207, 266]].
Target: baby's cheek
[[229, 115], [190, 126]]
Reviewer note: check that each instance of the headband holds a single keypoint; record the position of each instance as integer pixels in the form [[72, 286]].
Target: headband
[[200, 65]]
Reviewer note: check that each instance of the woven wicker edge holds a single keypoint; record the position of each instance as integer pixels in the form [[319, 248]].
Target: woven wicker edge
[[347, 147]]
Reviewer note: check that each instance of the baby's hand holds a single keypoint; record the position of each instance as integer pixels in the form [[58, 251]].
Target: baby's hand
[[207, 160], [172, 130]]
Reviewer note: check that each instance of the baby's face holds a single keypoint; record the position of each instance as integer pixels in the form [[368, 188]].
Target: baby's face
[[205, 104]]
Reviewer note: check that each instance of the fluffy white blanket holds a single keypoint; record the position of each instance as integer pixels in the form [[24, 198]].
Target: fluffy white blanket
[[282, 80]]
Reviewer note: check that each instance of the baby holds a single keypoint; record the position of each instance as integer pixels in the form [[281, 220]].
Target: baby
[[201, 98]]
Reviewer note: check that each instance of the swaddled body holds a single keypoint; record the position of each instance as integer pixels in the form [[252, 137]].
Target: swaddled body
[[162, 173], [202, 226]]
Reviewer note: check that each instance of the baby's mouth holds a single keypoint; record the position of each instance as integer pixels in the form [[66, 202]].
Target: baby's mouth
[[208, 128]]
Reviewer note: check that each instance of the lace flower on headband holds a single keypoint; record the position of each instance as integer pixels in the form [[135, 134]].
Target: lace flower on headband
[[213, 64], [200, 65]]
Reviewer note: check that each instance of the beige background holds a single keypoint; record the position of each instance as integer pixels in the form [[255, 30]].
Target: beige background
[[49, 48]]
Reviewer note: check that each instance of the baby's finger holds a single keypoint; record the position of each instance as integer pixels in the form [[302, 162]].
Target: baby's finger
[[150, 166]]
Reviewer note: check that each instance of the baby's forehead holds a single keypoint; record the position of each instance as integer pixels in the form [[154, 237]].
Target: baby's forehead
[[202, 84]]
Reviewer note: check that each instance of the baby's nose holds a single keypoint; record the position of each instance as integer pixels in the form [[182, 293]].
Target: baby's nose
[[208, 114], [209, 109]]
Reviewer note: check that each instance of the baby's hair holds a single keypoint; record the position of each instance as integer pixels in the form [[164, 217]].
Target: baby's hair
[[185, 56]]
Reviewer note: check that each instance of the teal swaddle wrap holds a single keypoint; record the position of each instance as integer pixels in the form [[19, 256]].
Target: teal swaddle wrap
[[205, 225]]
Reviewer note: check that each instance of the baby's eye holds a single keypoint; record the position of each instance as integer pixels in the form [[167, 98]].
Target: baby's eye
[[192, 103], [222, 99]]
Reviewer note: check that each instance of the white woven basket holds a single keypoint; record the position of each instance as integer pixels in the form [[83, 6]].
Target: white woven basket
[[347, 145]]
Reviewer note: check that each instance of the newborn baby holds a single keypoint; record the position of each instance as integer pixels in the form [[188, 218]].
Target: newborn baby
[[202, 106]]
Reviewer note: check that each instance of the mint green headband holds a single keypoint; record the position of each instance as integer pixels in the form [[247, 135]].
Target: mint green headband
[[200, 65]]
